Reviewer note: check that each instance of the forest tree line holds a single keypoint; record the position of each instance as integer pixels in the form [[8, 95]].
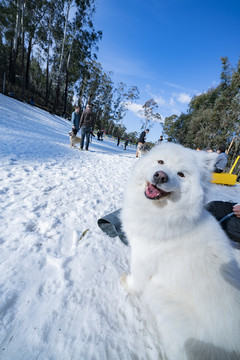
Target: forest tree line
[[213, 118], [48, 54]]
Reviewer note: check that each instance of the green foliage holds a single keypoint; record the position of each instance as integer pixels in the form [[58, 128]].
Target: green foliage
[[32, 31], [213, 117]]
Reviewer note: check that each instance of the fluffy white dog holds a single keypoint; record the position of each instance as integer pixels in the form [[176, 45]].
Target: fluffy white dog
[[74, 139], [182, 263]]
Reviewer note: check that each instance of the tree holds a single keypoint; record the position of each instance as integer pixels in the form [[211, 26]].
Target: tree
[[59, 73], [148, 113], [79, 30], [213, 117]]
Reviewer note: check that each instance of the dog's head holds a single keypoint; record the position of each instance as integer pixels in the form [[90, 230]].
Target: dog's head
[[71, 134], [171, 175]]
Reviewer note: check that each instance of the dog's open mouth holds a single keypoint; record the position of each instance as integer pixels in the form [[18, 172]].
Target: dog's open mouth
[[154, 193]]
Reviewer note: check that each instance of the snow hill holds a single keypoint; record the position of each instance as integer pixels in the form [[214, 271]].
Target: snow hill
[[60, 294]]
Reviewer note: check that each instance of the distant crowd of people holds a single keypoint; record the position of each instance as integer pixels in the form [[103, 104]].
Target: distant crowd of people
[[222, 159], [86, 124]]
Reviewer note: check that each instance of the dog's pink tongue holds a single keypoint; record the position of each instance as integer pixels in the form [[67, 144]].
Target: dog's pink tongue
[[151, 191]]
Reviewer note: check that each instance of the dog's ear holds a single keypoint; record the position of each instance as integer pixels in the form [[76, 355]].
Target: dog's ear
[[208, 159]]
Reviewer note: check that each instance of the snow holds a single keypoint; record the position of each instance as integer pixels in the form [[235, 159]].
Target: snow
[[60, 291]]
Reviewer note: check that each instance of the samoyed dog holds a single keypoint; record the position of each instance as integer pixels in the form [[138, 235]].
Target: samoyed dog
[[183, 266]]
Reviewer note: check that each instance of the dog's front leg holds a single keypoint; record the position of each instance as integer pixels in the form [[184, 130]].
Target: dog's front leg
[[135, 282]]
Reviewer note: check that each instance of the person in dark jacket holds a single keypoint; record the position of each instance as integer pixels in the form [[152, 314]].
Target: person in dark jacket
[[98, 135], [75, 120], [230, 210], [141, 140], [86, 125], [221, 161], [118, 140], [126, 144]]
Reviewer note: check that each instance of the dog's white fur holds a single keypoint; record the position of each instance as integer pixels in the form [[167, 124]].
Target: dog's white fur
[[182, 263], [141, 150], [74, 139]]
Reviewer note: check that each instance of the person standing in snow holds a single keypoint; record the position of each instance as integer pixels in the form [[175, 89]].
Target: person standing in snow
[[101, 135], [75, 120], [86, 125], [221, 161], [126, 144], [141, 140], [118, 140]]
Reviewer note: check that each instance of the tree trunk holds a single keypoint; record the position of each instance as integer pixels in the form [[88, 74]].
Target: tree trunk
[[48, 56], [66, 93], [10, 60], [28, 63], [15, 45], [67, 77], [61, 59], [23, 49], [146, 123], [23, 55]]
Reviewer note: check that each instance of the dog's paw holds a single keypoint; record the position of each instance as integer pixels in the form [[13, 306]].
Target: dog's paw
[[123, 281], [126, 282]]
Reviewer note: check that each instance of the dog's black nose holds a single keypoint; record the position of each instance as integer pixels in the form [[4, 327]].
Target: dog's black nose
[[160, 177]]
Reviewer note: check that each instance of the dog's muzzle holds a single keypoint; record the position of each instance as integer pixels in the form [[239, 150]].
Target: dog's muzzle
[[153, 191]]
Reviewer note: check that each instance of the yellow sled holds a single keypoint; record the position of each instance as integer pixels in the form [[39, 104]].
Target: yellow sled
[[225, 178]]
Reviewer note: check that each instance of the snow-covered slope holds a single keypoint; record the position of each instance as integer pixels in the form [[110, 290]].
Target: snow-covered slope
[[60, 294]]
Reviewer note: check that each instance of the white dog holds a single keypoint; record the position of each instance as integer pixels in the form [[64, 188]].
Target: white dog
[[142, 150], [74, 139], [182, 263]]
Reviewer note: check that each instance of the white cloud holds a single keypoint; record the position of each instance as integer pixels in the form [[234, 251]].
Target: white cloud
[[135, 108], [168, 104], [172, 102], [175, 111], [183, 98], [174, 86], [160, 100]]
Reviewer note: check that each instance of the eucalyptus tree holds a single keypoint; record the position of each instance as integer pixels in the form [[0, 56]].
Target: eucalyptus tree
[[147, 112], [78, 31], [6, 33], [10, 18], [96, 86], [49, 36], [59, 71], [123, 98]]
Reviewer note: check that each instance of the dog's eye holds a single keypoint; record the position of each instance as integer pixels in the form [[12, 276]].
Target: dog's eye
[[181, 174], [161, 162]]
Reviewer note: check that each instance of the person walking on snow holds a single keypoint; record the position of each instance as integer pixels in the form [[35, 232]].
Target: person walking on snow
[[86, 125], [118, 140], [75, 120], [141, 140]]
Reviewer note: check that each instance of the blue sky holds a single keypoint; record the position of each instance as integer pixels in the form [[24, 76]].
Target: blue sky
[[169, 49]]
